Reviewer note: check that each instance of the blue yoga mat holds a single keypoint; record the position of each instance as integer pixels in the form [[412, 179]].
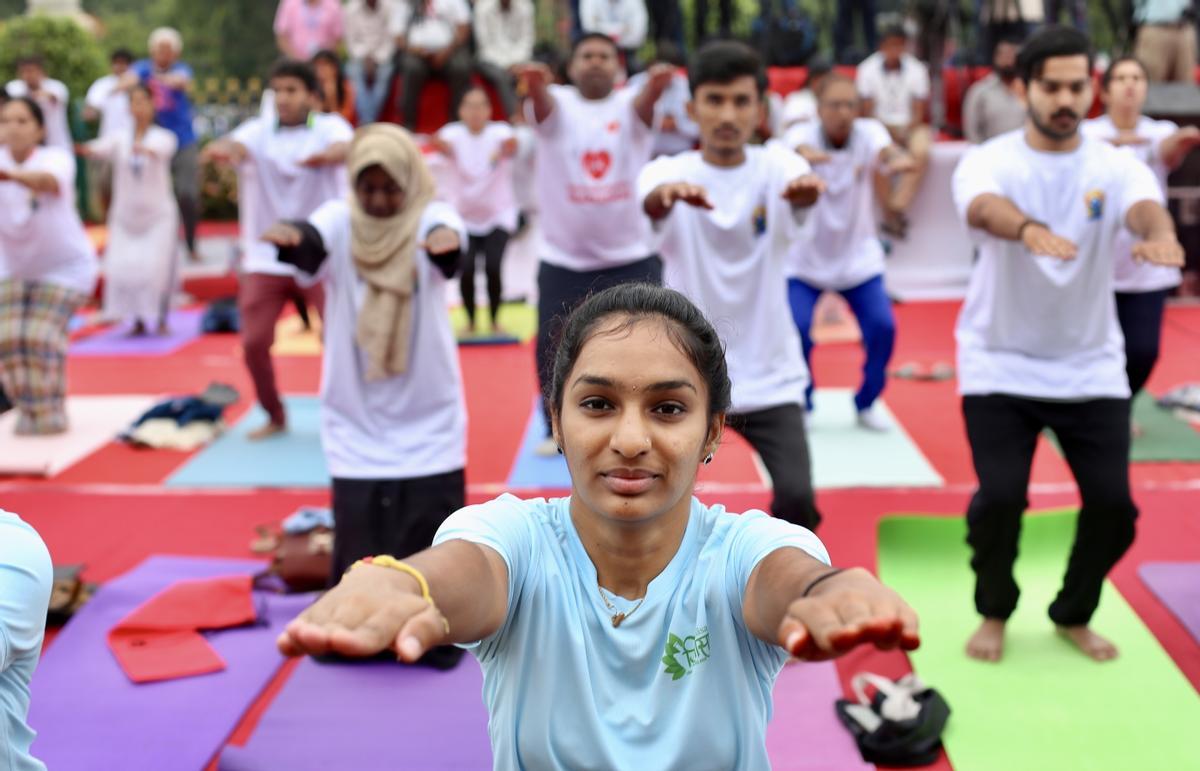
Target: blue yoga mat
[[532, 470], [291, 459], [89, 715]]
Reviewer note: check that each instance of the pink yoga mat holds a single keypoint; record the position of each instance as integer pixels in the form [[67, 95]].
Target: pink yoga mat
[[363, 712], [90, 717], [184, 327], [1177, 586], [804, 733]]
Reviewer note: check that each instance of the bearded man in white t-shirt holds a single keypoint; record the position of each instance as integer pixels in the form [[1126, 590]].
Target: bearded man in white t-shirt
[[592, 141], [725, 216], [1039, 345]]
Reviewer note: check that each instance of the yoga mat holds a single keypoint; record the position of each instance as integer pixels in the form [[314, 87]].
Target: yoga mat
[[519, 321], [183, 325], [1045, 705], [89, 715], [290, 459], [804, 733], [292, 339], [1177, 586], [94, 422], [843, 455], [371, 715], [1164, 437]]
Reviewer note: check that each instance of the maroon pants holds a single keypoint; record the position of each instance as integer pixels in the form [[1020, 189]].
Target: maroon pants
[[261, 298]]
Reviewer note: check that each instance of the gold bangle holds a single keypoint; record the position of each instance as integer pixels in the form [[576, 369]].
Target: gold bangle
[[387, 561]]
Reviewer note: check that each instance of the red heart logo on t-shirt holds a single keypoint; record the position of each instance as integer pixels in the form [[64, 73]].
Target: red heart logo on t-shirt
[[596, 163]]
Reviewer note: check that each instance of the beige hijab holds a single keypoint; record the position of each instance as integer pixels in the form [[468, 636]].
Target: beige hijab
[[384, 249]]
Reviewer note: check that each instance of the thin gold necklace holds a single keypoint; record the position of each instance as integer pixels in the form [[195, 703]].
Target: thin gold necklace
[[618, 616]]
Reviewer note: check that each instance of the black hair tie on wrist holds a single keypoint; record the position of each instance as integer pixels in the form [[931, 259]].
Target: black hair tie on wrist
[[808, 590]]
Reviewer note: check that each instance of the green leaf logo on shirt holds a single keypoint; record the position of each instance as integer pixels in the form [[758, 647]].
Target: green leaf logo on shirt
[[682, 655]]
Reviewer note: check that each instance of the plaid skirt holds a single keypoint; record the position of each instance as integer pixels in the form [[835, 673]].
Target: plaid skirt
[[33, 351]]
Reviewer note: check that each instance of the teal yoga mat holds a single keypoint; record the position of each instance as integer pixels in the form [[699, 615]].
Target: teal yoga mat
[[291, 459], [1044, 705]]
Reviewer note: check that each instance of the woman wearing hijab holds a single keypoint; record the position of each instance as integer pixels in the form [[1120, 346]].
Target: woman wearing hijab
[[393, 416]]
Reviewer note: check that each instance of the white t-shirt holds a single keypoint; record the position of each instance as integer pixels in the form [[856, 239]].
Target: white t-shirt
[[681, 684], [800, 106], [892, 91], [26, 577], [41, 235], [280, 188], [410, 425], [115, 118], [484, 178], [730, 261], [589, 153], [671, 104], [841, 247], [54, 110], [1131, 275], [434, 29], [1032, 325]]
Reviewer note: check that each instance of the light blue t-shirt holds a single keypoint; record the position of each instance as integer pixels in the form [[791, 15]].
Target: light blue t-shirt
[[26, 576], [680, 684]]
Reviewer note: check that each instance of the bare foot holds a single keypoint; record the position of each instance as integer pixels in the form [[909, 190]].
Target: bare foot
[[1093, 645], [987, 644], [265, 431], [139, 329]]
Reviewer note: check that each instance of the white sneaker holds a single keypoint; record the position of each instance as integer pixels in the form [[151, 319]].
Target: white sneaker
[[547, 448], [872, 420]]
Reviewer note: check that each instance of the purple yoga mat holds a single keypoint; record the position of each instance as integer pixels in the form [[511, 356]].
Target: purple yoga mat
[[88, 714], [804, 733], [184, 328], [1176, 585], [361, 715]]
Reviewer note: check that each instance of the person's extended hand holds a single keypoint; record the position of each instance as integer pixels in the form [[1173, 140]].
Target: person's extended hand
[[322, 158], [659, 77], [534, 75], [901, 163], [804, 190], [220, 151], [373, 609], [1168, 253], [509, 147], [812, 154], [849, 609], [682, 192], [282, 234], [441, 146], [4, 176], [441, 240], [1128, 138], [1038, 239]]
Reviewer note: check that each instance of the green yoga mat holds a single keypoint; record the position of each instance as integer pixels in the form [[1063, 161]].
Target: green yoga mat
[[1164, 437], [1045, 705], [519, 321]]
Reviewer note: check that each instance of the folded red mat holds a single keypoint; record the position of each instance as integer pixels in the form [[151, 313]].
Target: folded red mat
[[161, 639]]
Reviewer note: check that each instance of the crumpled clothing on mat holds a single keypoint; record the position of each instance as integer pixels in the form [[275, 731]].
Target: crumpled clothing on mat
[[308, 518], [901, 725], [161, 640], [185, 422], [1184, 397]]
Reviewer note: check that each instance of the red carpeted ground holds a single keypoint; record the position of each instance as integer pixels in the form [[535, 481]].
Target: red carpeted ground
[[110, 511]]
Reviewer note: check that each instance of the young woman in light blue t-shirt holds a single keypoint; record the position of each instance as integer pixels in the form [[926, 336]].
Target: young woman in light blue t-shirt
[[629, 625]]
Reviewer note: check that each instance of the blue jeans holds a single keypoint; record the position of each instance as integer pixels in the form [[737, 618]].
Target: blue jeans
[[369, 99], [873, 309]]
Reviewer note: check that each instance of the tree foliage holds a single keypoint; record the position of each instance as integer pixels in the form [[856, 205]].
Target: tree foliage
[[71, 54]]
